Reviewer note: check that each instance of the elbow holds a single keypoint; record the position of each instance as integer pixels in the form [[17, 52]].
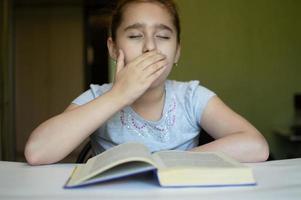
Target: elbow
[[262, 150], [39, 156], [37, 151], [30, 157], [256, 149], [34, 157], [265, 152]]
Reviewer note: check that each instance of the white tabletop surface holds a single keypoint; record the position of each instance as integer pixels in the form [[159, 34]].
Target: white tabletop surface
[[275, 180]]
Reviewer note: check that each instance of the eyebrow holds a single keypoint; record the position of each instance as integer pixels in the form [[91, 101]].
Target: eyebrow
[[140, 26]]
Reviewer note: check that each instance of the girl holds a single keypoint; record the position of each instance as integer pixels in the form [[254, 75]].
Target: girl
[[141, 105]]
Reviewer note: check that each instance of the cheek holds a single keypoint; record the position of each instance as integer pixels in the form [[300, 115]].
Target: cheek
[[130, 51], [170, 54], [130, 56]]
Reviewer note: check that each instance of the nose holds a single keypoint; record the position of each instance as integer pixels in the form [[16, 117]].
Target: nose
[[149, 44]]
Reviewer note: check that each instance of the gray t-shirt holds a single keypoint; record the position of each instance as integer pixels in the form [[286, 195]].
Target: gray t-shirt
[[178, 128]]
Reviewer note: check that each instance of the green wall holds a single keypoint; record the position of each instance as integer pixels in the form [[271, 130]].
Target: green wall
[[248, 52]]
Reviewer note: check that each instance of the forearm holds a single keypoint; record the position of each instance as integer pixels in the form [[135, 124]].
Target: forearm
[[57, 137], [243, 146]]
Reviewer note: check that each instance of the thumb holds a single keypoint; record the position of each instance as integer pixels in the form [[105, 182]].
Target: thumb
[[120, 61]]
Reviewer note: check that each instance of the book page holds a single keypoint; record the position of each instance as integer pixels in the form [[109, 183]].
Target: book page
[[185, 168], [117, 155], [185, 159], [122, 170]]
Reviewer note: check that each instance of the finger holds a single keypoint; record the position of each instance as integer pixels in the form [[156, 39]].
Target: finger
[[144, 56], [144, 64], [120, 61], [156, 74], [152, 69]]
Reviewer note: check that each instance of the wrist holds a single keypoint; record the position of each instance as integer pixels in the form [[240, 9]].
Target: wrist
[[117, 98]]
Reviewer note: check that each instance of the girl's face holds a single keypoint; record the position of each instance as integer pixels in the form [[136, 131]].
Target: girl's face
[[146, 27]]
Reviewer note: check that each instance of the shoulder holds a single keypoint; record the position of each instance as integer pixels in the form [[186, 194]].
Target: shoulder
[[193, 97], [98, 90], [93, 92], [189, 88]]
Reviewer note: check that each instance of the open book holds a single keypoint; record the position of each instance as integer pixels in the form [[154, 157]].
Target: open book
[[173, 168]]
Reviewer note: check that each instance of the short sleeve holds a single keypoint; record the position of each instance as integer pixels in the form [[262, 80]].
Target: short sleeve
[[196, 100], [94, 92]]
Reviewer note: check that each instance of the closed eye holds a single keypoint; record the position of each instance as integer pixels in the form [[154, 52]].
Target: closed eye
[[134, 36], [163, 37]]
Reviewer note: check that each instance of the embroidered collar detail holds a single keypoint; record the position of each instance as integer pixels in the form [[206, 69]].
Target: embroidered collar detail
[[158, 130]]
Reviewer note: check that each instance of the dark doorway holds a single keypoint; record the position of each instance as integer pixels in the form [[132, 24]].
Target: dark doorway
[[97, 16]]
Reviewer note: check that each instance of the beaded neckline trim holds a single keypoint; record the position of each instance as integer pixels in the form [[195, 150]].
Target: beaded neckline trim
[[158, 131]]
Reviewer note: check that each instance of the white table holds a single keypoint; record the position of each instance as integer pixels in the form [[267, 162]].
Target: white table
[[276, 180]]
